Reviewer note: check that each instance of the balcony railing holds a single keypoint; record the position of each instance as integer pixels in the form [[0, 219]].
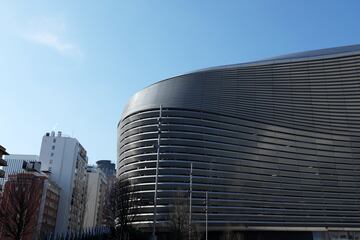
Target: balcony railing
[[3, 162], [2, 173]]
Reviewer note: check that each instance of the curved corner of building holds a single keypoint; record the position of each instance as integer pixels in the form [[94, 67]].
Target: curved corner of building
[[275, 144]]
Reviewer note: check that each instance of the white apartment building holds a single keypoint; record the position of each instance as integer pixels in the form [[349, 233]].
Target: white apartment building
[[96, 194], [15, 164], [66, 160]]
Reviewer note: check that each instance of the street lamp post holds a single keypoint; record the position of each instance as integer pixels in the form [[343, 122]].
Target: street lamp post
[[206, 219], [190, 205], [157, 173]]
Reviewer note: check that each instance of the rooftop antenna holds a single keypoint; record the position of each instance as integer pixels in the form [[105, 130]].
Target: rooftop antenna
[[55, 127]]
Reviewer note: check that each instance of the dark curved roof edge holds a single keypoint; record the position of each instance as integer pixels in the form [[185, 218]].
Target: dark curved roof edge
[[293, 57]]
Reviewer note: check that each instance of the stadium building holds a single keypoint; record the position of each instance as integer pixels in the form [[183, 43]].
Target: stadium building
[[275, 144]]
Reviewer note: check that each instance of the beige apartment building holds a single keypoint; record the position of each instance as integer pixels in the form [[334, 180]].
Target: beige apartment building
[[96, 194]]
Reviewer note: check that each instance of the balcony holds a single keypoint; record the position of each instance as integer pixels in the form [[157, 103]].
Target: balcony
[[2, 173], [3, 162]]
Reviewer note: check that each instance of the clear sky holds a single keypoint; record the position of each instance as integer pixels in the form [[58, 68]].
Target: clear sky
[[72, 65]]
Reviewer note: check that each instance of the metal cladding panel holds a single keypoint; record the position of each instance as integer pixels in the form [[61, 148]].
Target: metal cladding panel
[[275, 144]]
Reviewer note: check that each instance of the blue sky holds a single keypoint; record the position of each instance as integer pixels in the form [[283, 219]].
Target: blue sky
[[72, 65]]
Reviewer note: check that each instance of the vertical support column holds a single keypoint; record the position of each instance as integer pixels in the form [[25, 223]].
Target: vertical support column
[[190, 204], [206, 215], [157, 173]]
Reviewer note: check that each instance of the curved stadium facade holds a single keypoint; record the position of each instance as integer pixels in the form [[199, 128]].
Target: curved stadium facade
[[275, 143]]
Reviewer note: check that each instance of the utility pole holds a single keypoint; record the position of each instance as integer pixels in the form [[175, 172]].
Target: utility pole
[[190, 205], [157, 173], [206, 220]]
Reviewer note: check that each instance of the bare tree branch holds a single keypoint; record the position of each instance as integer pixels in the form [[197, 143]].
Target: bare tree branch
[[19, 205], [179, 220], [121, 208]]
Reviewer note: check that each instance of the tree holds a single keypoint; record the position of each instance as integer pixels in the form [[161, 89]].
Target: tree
[[19, 206], [121, 208], [179, 220]]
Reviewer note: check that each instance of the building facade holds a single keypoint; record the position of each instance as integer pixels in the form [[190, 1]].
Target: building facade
[[107, 167], [95, 201], [274, 143], [110, 171], [34, 193], [15, 164], [49, 208], [22, 196], [66, 159], [3, 164]]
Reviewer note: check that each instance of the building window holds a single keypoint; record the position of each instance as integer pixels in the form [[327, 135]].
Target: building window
[[54, 140], [51, 154], [51, 161], [53, 147]]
